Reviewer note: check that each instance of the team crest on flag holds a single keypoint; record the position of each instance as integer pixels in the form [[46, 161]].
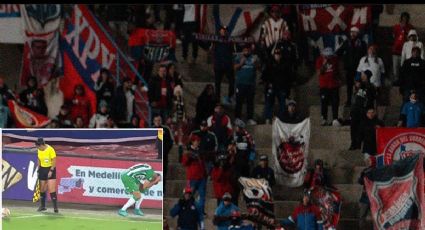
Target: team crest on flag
[[290, 151], [396, 194], [329, 201], [26, 118]]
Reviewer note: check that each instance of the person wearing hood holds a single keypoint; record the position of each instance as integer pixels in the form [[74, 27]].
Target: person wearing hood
[[329, 83], [33, 97], [189, 212], [223, 213], [413, 41], [364, 97], [99, 119], [412, 113], [412, 75], [291, 114], [80, 104]]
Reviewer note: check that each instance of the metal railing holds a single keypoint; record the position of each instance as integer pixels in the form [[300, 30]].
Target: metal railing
[[121, 63]]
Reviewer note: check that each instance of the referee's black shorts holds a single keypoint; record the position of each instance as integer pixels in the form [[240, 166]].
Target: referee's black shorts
[[43, 173]]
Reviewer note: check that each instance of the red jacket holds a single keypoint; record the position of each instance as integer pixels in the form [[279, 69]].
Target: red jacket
[[195, 168], [400, 36], [328, 79], [221, 181], [81, 107]]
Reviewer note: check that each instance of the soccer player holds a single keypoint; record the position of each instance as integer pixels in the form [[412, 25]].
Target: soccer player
[[46, 173], [136, 179]]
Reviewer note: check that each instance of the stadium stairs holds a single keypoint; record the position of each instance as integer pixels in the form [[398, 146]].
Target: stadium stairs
[[327, 143]]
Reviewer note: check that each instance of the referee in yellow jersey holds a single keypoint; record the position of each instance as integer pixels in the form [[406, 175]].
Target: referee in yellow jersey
[[46, 173]]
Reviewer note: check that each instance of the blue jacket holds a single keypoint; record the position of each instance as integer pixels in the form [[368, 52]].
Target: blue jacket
[[223, 210], [189, 214], [247, 73], [305, 218], [414, 113]]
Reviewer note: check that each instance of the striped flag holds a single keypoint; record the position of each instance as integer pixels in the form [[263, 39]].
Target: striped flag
[[36, 196]]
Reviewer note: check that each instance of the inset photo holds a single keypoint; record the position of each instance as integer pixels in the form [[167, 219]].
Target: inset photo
[[82, 179]]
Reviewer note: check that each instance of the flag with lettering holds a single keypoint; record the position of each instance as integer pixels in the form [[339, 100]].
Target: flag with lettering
[[396, 194], [41, 56], [153, 45], [26, 118], [328, 25]]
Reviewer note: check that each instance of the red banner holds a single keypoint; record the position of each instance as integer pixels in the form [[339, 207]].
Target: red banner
[[399, 143], [26, 118], [98, 181], [396, 194]]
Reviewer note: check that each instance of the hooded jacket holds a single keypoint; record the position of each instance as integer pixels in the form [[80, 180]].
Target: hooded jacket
[[406, 53]]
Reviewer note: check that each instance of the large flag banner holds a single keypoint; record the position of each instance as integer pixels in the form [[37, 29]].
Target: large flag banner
[[398, 143], [259, 199], [328, 25], [11, 26], [41, 57], [396, 194], [26, 118], [329, 201], [290, 151], [153, 45]]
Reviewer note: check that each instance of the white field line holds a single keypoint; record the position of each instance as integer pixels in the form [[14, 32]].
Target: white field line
[[90, 218]]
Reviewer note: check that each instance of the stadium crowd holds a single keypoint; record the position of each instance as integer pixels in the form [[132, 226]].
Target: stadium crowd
[[214, 146]]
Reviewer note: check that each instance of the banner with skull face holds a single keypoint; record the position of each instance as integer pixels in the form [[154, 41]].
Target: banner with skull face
[[290, 152]]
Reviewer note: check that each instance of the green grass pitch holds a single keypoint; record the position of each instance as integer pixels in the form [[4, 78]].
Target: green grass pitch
[[72, 221]]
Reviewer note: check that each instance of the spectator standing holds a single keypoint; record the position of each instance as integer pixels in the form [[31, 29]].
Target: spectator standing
[[190, 214], [99, 119], [289, 54], [223, 213], [262, 170], [205, 104], [118, 17], [104, 87], [190, 26], [179, 112], [123, 102], [174, 77], [364, 98], [196, 171], [166, 145], [400, 31], [178, 14], [245, 149], [246, 66], [352, 50], [412, 74], [220, 175], [327, 66], [291, 115], [413, 41], [306, 216], [80, 104], [223, 65], [33, 97], [208, 146], [220, 124], [160, 93], [368, 132], [412, 113]]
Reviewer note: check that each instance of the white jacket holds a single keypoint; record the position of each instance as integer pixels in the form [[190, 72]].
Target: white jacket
[[406, 53], [376, 66], [98, 121]]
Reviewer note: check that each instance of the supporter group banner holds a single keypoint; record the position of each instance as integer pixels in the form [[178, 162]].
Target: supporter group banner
[[241, 20], [11, 24], [153, 45], [41, 57], [395, 144], [80, 180], [26, 118], [328, 25], [290, 151], [396, 194], [259, 201], [330, 202]]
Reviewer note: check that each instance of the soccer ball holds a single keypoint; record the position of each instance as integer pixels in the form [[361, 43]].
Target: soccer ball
[[5, 212]]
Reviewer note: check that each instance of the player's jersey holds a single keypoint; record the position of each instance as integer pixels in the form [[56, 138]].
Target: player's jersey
[[140, 172]]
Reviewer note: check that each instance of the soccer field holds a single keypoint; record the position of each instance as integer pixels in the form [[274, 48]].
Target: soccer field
[[72, 221]]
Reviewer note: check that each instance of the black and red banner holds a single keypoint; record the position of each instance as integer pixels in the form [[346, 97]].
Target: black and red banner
[[396, 194]]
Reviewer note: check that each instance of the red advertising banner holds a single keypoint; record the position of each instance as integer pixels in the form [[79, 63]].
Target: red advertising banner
[[398, 143], [98, 181]]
